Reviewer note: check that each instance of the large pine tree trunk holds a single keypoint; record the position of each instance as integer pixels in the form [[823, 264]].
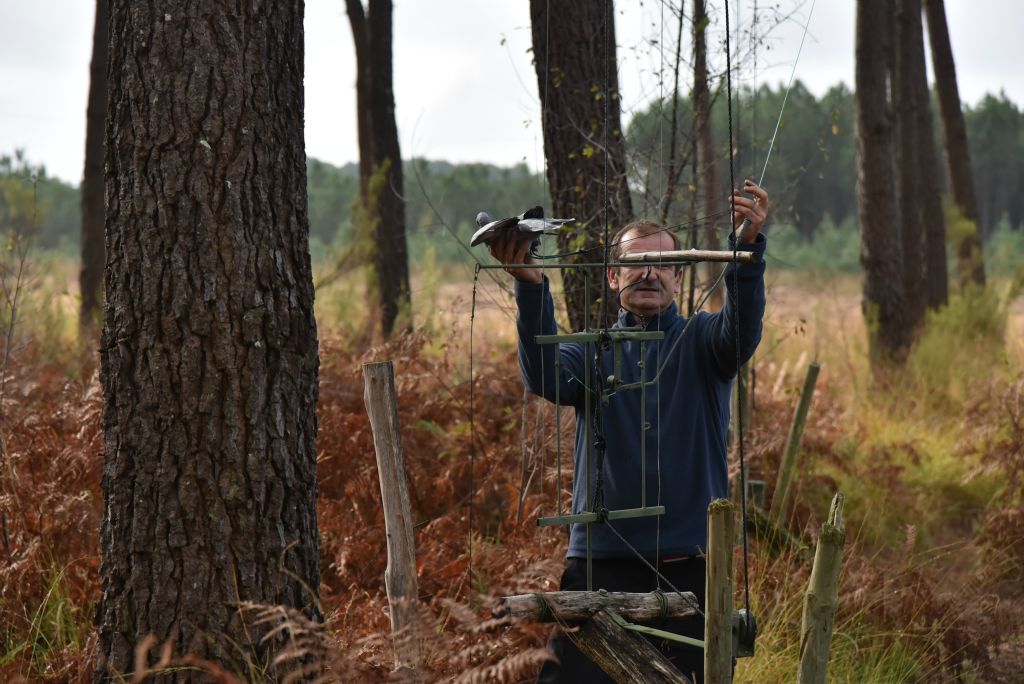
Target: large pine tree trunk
[[970, 265], [209, 353], [881, 255], [90, 278], [574, 52], [707, 166], [380, 158]]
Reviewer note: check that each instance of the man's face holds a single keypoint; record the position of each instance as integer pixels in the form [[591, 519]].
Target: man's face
[[645, 289]]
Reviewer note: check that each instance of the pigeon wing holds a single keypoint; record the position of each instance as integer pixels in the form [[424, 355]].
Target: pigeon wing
[[546, 226], [489, 232]]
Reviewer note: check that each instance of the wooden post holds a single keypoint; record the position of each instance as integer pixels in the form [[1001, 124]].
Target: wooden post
[[821, 600], [718, 593], [400, 574], [577, 606], [777, 513], [625, 657]]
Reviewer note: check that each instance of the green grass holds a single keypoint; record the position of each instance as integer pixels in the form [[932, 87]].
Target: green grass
[[59, 623]]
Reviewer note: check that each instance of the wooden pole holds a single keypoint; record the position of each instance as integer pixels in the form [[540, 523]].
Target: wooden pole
[[821, 600], [577, 606], [400, 574], [718, 593], [777, 513], [688, 256], [625, 657]]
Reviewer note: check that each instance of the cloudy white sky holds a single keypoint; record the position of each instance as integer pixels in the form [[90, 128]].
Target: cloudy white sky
[[464, 84]]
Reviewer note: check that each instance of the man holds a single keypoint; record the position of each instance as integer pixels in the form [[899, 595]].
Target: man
[[687, 416]]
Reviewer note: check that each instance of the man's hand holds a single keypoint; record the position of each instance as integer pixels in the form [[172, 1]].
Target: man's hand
[[513, 247], [755, 209]]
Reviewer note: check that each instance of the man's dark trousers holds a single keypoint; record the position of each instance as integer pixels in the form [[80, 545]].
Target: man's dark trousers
[[630, 574]]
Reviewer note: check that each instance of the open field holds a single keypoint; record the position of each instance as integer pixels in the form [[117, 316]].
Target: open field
[[931, 461]]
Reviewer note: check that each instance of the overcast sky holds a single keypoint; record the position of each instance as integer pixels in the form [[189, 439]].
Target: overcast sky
[[464, 85]]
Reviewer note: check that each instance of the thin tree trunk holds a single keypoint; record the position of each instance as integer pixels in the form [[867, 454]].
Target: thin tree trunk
[[380, 159], [970, 265], [676, 158], [933, 221], [209, 353], [90, 278], [574, 51], [706, 162], [364, 122], [881, 255], [909, 184], [391, 251]]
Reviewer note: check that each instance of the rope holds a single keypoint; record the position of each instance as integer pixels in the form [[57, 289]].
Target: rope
[[597, 414], [662, 603], [694, 602], [607, 204], [785, 98], [472, 426], [736, 321]]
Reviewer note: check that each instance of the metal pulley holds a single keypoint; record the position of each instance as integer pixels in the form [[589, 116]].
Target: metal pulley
[[744, 633]]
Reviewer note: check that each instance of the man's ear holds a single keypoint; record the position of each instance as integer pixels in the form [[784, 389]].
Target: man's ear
[[613, 279], [677, 280]]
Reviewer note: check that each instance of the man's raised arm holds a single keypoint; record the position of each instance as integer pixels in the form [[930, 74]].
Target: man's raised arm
[[536, 316], [721, 335]]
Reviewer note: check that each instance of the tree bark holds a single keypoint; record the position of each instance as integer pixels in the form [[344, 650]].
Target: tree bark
[[209, 351], [577, 606], [706, 162], [881, 254], [718, 655], [381, 401], [574, 51], [934, 254], [90, 278], [625, 657], [364, 122], [822, 598], [380, 158], [676, 157], [970, 265], [924, 225], [910, 187]]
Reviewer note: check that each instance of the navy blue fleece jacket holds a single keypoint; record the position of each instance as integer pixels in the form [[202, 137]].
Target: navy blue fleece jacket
[[687, 414]]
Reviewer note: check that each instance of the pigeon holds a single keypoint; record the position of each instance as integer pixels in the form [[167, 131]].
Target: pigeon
[[531, 224]]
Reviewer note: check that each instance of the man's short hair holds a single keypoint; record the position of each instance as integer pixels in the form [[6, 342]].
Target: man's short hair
[[642, 229]]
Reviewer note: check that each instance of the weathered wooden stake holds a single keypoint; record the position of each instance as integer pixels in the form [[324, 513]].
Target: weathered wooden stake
[[718, 593], [577, 606], [400, 574], [777, 513], [821, 599], [626, 658]]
